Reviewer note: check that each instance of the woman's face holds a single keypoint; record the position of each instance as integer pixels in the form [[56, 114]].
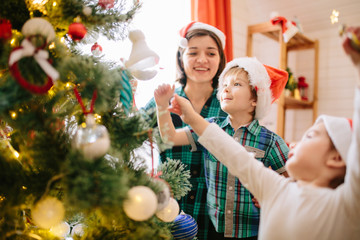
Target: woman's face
[[201, 59]]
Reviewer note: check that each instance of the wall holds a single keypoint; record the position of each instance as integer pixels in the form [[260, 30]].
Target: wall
[[337, 76]]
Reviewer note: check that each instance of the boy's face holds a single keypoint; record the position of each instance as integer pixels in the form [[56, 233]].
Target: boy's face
[[307, 159], [236, 97], [201, 59]]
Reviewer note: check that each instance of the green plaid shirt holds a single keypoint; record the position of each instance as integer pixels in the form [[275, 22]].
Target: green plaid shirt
[[194, 203], [230, 206]]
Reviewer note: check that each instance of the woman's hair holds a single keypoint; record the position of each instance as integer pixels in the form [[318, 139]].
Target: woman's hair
[[180, 72], [235, 72]]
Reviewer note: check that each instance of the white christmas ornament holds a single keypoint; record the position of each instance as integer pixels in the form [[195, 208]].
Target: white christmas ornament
[[48, 212], [78, 230], [92, 139], [61, 230], [141, 203], [170, 212], [142, 59], [38, 26], [87, 11]]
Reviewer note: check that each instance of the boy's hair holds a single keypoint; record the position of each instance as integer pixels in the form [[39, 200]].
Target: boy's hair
[[268, 82], [180, 72], [339, 130], [235, 72]]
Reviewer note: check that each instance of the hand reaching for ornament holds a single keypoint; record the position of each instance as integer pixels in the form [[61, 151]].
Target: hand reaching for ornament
[[163, 94], [348, 45]]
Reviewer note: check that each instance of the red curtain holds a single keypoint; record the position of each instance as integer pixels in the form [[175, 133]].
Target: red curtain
[[216, 13]]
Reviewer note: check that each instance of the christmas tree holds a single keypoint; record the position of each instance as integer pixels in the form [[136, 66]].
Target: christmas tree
[[69, 130]]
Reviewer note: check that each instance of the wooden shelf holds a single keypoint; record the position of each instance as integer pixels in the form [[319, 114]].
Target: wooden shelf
[[293, 103], [297, 42]]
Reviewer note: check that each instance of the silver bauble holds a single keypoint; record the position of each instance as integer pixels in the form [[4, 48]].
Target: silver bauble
[[91, 139], [164, 195]]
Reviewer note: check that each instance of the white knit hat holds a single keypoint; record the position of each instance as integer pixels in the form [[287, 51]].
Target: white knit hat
[[339, 130], [268, 81], [199, 25]]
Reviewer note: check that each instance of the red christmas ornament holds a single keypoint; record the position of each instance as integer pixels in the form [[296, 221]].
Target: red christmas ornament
[[77, 31], [5, 29], [96, 49], [106, 4]]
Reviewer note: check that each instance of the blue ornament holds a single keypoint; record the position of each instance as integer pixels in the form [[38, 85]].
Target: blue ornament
[[185, 227]]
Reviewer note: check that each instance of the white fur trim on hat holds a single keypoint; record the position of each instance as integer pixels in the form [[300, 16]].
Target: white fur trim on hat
[[258, 77], [339, 130], [199, 25]]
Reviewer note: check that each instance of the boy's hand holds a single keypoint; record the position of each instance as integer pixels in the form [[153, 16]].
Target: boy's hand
[[163, 94], [182, 107], [353, 53]]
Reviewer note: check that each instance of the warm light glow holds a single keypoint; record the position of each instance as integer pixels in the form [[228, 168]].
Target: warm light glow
[[97, 118], [83, 125], [51, 92], [16, 154], [54, 4], [12, 42], [138, 199], [39, 2], [13, 114], [52, 46], [334, 16], [2, 198], [24, 188], [62, 39]]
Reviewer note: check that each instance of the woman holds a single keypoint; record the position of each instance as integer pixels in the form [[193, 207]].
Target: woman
[[200, 60]]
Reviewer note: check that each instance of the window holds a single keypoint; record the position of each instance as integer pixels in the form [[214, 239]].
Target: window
[[160, 21]]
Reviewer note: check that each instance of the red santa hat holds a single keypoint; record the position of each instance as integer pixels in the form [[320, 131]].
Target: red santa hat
[[288, 28], [199, 25], [339, 130], [268, 81]]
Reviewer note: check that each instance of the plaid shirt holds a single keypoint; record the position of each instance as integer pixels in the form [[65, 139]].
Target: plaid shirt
[[194, 203], [230, 206]]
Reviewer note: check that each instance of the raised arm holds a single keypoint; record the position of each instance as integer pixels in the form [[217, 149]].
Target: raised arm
[[352, 178], [169, 134]]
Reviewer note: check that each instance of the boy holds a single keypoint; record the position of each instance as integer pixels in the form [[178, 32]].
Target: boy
[[246, 91], [312, 204]]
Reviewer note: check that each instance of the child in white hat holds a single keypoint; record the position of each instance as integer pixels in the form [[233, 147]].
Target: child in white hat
[[246, 90], [313, 203]]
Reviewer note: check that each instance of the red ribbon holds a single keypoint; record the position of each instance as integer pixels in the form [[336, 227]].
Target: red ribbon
[[78, 97]]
